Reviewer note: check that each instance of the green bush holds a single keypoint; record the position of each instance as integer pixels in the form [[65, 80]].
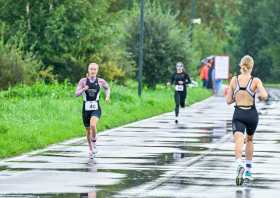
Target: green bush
[[15, 66], [40, 89], [114, 63], [68, 67], [18, 66]]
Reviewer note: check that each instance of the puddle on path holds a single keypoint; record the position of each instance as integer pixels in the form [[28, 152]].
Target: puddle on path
[[133, 178]]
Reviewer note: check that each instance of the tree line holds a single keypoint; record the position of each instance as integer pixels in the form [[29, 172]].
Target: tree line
[[56, 39]]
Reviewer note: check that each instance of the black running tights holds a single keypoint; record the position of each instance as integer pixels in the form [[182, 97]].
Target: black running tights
[[180, 98]]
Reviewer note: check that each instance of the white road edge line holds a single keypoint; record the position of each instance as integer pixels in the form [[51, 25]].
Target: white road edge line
[[182, 167], [82, 138]]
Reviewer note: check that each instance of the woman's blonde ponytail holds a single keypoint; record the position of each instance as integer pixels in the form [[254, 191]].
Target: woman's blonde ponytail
[[246, 63]]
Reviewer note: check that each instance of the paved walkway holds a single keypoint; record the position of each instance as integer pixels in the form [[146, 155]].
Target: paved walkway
[[154, 158]]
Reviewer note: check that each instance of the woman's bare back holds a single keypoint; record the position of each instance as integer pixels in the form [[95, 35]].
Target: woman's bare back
[[243, 97]]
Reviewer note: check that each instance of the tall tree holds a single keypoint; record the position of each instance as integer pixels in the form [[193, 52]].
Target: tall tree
[[258, 37], [270, 31], [57, 28]]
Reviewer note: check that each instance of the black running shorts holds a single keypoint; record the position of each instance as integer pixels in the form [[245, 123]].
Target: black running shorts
[[245, 119], [88, 114]]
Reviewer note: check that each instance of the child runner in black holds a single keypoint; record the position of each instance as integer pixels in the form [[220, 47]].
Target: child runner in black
[[90, 88], [242, 91], [180, 94]]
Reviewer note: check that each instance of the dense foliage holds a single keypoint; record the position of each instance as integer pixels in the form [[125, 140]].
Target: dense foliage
[[165, 44], [259, 37], [62, 33], [212, 12], [59, 38], [17, 67]]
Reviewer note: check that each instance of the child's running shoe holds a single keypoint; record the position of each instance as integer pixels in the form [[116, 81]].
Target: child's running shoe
[[239, 175], [248, 176]]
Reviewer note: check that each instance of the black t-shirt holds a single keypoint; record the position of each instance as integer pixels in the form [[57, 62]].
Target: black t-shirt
[[181, 77]]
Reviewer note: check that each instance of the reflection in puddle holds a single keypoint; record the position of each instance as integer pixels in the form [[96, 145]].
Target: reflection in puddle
[[3, 168], [88, 195], [216, 132], [246, 194], [205, 140], [177, 156]]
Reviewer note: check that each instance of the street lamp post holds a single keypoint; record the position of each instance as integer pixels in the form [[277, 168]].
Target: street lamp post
[[141, 49], [192, 18]]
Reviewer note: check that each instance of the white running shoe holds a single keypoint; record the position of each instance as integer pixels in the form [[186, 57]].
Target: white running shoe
[[248, 176], [94, 148], [239, 175], [91, 155]]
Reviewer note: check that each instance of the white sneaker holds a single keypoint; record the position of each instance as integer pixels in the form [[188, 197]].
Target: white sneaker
[[94, 148], [248, 176], [239, 175], [91, 155]]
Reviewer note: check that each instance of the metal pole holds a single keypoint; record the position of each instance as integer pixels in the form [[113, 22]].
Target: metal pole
[[141, 49], [192, 18]]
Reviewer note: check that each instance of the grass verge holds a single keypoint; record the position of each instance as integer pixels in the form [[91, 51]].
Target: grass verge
[[34, 117], [271, 85]]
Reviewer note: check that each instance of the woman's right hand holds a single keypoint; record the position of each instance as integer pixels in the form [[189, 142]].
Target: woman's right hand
[[260, 97], [168, 84], [85, 88]]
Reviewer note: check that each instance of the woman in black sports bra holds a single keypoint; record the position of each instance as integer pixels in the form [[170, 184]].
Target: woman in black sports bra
[[242, 91]]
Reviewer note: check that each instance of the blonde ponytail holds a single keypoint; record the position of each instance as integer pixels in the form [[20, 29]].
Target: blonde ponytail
[[246, 63], [87, 75], [244, 68]]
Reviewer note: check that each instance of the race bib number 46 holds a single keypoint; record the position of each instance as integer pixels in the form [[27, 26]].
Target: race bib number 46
[[91, 106], [179, 88]]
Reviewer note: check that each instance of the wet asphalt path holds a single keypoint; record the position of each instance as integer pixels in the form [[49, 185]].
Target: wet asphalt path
[[155, 158]]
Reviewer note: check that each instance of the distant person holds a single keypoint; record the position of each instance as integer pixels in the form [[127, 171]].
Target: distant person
[[180, 77], [91, 112], [210, 79], [204, 75], [217, 83], [242, 91]]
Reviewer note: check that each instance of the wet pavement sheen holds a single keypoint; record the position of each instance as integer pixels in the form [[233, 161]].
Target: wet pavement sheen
[[143, 155]]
